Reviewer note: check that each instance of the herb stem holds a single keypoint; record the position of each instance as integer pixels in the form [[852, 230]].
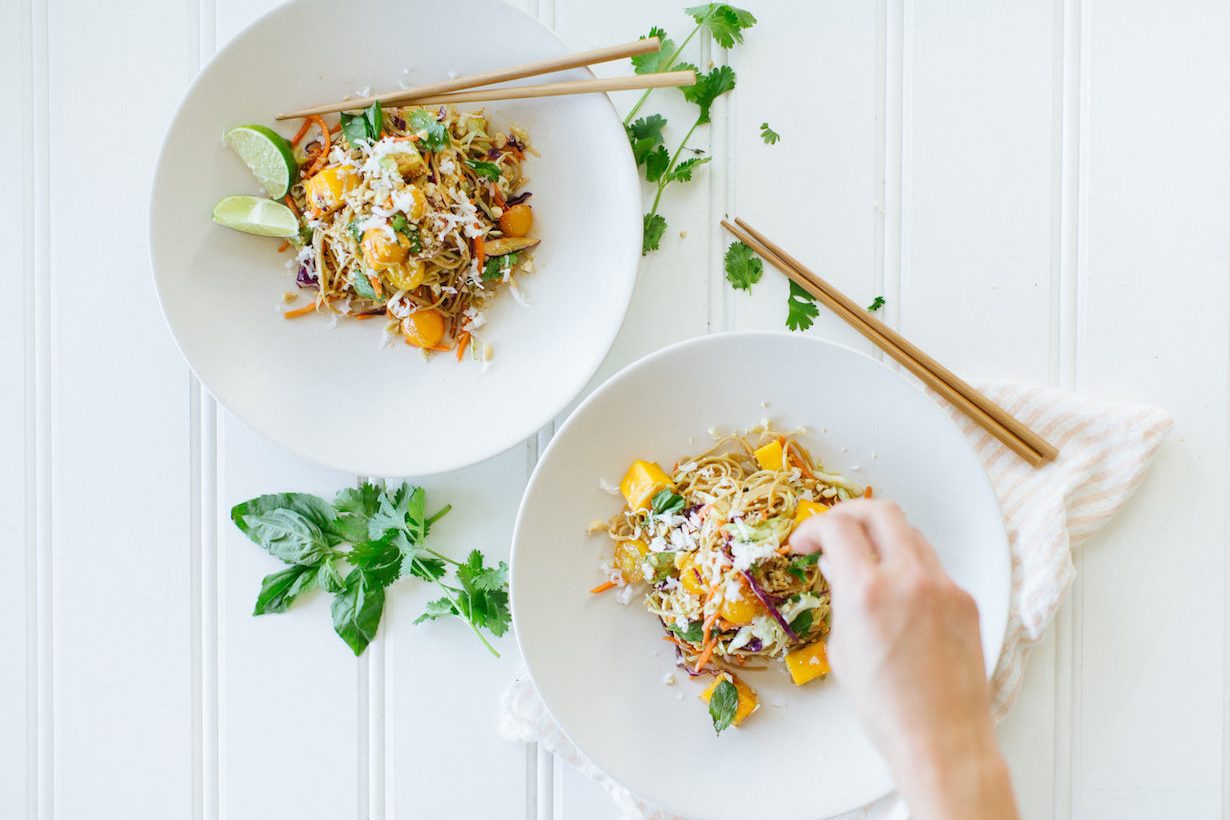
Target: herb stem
[[443, 511], [670, 62], [448, 593], [443, 557], [665, 179]]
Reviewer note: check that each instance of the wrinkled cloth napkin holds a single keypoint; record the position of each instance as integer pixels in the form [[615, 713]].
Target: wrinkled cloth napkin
[[1104, 450]]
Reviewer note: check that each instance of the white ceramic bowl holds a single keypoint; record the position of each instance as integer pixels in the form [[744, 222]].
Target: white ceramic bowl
[[599, 665], [331, 394]]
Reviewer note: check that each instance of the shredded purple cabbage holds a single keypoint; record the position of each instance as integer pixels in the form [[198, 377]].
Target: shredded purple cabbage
[[517, 200], [754, 645], [306, 277], [770, 603]]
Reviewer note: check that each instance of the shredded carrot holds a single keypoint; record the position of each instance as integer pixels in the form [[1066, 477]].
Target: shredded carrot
[[463, 341], [285, 244], [301, 133], [497, 196], [299, 311], [376, 286], [362, 316], [480, 252], [337, 128], [290, 203], [797, 460], [867, 492], [685, 646], [323, 156], [440, 348], [705, 654], [603, 587], [783, 549]]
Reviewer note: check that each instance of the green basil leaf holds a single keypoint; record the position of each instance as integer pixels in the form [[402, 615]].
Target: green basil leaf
[[354, 127], [357, 610], [279, 590], [802, 622], [667, 502], [434, 134], [662, 563], [374, 119], [295, 527], [723, 704], [485, 169], [695, 633], [362, 285]]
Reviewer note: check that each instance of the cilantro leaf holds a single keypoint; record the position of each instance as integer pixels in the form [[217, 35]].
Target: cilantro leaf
[[425, 567], [876, 304], [662, 563], [380, 560], [682, 172], [295, 527], [656, 162], [799, 564], [655, 61], [485, 594], [355, 506], [723, 704], [708, 88], [667, 502], [645, 135], [801, 309], [353, 230], [434, 134], [743, 267], [769, 136], [695, 633], [279, 590], [801, 624], [399, 224], [402, 510], [724, 23], [655, 226], [356, 611], [485, 169]]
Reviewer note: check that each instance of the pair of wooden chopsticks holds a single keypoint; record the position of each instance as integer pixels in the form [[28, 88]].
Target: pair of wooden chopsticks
[[449, 92], [993, 418]]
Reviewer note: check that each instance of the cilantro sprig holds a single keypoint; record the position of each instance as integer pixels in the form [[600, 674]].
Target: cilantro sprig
[[354, 548], [769, 136], [876, 304], [743, 267], [725, 24]]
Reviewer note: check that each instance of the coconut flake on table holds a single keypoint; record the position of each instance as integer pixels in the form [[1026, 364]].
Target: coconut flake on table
[[669, 679], [625, 594], [517, 295], [607, 487]]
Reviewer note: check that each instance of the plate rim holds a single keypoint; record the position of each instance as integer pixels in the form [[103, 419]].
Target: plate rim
[[587, 373], [1000, 626]]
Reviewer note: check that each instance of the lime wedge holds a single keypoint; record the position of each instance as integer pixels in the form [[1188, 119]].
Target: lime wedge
[[268, 154], [252, 214]]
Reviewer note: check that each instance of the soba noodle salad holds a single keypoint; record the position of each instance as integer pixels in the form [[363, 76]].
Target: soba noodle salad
[[705, 546], [414, 217]]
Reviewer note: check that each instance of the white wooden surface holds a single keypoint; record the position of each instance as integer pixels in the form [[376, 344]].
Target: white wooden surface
[[1041, 191]]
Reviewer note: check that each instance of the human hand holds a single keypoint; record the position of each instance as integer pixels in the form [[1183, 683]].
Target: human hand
[[906, 649]]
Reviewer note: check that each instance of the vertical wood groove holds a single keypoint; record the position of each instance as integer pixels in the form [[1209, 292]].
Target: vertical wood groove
[[40, 705], [892, 180]]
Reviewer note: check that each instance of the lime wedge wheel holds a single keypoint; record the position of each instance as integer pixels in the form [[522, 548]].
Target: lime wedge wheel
[[256, 215], [268, 154]]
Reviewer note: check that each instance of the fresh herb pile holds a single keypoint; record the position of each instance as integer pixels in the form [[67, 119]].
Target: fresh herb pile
[[723, 23], [356, 547]]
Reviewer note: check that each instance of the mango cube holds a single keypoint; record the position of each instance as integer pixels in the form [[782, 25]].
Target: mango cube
[[642, 482], [806, 510], [770, 456], [748, 702], [324, 190], [807, 663], [629, 555]]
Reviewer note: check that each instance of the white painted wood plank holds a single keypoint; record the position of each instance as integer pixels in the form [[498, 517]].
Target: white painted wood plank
[[815, 192], [442, 688], [1150, 666], [1027, 734], [976, 281], [119, 461], [17, 583], [289, 688]]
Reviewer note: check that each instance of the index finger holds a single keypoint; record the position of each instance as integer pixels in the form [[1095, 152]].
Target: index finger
[[847, 551]]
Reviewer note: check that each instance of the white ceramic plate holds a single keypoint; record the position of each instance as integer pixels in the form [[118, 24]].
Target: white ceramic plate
[[331, 394], [599, 665]]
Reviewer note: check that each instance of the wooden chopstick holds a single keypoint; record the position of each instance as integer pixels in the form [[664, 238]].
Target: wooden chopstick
[[500, 75], [990, 416], [521, 92]]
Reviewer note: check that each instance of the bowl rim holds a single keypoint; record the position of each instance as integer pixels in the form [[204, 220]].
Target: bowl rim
[[584, 375], [1000, 626]]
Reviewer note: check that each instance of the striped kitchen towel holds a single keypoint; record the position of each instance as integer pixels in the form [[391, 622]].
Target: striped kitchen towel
[[1104, 450]]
